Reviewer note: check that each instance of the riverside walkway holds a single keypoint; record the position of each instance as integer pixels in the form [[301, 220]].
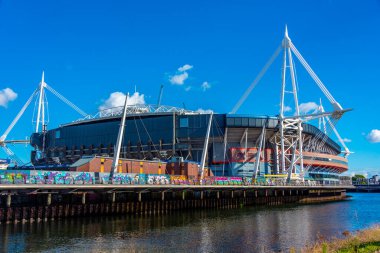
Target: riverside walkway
[[28, 200], [138, 187]]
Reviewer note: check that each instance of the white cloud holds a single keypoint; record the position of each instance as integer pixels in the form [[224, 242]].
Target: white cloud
[[287, 108], [179, 79], [188, 88], [374, 136], [136, 99], [185, 68], [7, 95], [205, 86], [117, 99], [346, 140], [202, 111], [308, 107]]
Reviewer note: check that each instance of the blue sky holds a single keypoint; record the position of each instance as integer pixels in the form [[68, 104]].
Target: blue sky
[[91, 49]]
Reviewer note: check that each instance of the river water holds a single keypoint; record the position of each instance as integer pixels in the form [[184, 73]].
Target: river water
[[248, 229]]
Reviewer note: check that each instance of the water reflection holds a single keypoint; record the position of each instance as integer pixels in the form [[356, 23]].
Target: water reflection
[[238, 230]]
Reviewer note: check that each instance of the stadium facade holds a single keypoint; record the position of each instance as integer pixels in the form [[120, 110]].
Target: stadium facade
[[175, 134], [285, 145]]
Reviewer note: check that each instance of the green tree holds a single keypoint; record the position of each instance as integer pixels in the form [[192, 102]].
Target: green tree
[[359, 179]]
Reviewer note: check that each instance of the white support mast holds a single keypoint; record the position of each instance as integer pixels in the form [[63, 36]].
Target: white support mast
[[281, 118], [225, 149], [119, 141], [42, 118], [299, 157], [289, 139], [41, 105], [258, 154], [205, 148]]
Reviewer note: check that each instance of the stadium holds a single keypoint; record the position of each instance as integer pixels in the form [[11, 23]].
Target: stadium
[[168, 134], [227, 144]]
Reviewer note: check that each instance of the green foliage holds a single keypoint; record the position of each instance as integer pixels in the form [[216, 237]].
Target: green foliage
[[361, 248], [359, 179], [324, 248]]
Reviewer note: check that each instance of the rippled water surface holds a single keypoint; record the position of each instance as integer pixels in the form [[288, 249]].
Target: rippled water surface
[[236, 230]]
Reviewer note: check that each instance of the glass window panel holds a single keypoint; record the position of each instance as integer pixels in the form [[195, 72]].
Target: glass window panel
[[230, 121], [184, 122]]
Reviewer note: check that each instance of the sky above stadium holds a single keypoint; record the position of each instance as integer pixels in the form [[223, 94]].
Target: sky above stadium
[[205, 53]]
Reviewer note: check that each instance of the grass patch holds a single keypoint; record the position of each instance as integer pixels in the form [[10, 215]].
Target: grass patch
[[365, 241], [362, 248]]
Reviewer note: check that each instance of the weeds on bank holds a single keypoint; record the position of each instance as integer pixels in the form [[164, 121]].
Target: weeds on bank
[[365, 241]]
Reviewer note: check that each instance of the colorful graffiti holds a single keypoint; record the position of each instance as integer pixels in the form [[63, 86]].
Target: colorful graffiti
[[61, 177], [52, 177], [157, 179], [71, 177], [247, 180], [14, 177], [235, 180], [84, 178], [179, 179], [123, 178], [224, 180]]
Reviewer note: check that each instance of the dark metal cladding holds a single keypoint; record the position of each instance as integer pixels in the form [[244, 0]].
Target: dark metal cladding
[[150, 136]]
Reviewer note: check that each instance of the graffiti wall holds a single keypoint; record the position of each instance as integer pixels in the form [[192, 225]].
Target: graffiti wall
[[14, 177], [247, 180], [179, 179], [123, 178], [61, 177], [235, 180], [221, 180], [69, 177], [157, 179], [224, 180]]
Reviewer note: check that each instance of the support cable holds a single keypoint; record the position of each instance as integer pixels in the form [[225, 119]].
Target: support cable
[[321, 139], [138, 134], [335, 104], [12, 155], [255, 82], [16, 119], [150, 138], [63, 99]]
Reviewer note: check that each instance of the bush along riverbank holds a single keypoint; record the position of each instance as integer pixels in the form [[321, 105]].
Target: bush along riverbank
[[364, 241]]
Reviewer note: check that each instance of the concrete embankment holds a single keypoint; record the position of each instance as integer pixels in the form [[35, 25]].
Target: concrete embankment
[[30, 203]]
